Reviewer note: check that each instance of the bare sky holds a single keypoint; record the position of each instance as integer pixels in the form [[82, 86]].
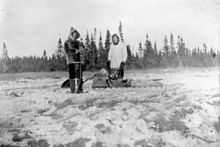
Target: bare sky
[[30, 26]]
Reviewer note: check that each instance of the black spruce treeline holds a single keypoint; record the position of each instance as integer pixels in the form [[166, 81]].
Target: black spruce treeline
[[173, 54]]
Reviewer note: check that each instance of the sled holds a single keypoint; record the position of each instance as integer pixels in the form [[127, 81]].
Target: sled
[[102, 80], [120, 83], [101, 83]]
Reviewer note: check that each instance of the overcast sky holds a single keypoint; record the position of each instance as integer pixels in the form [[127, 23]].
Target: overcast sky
[[30, 26]]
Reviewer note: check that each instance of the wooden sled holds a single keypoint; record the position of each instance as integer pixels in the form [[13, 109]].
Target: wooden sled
[[103, 83], [102, 80]]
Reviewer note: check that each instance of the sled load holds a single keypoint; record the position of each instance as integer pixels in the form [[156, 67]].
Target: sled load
[[103, 80]]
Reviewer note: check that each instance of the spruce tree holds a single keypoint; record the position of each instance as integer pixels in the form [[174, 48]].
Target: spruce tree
[[183, 47], [59, 52], [180, 50], [108, 41], [87, 41], [180, 46], [101, 47], [155, 49], [129, 61], [5, 59], [212, 53], [204, 48], [166, 46], [87, 51], [4, 52], [95, 34], [140, 51], [102, 58], [44, 54], [121, 32], [148, 46], [148, 53], [93, 53], [172, 46]]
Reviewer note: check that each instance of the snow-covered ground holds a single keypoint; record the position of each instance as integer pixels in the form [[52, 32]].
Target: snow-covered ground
[[165, 107]]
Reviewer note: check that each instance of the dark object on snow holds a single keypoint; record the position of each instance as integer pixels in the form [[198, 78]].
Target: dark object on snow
[[20, 137], [66, 84], [17, 138]]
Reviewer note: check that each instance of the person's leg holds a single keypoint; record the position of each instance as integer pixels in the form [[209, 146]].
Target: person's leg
[[71, 71], [121, 71], [80, 78], [72, 76], [108, 67]]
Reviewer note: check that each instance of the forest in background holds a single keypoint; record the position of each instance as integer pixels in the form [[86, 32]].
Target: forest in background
[[147, 55]]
